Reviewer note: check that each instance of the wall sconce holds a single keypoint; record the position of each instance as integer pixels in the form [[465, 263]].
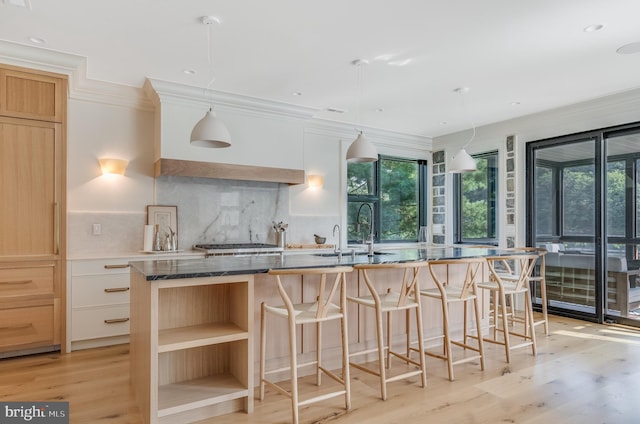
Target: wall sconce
[[113, 166], [315, 181]]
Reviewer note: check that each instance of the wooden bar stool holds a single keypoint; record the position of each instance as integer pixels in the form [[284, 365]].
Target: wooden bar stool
[[399, 296], [323, 309], [537, 276], [501, 288], [448, 293]]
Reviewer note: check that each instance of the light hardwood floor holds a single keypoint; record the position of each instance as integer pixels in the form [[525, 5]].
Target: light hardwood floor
[[584, 373]]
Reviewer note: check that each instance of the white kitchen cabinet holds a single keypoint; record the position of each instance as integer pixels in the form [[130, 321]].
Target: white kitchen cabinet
[[98, 310]]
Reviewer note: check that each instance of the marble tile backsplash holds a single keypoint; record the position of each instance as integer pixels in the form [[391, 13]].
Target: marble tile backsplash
[[224, 211], [209, 211], [121, 232], [229, 211]]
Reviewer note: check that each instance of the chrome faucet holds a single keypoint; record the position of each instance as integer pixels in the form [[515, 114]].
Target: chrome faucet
[[369, 240], [338, 247]]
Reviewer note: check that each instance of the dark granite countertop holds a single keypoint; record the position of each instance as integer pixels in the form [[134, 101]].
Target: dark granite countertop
[[216, 266]]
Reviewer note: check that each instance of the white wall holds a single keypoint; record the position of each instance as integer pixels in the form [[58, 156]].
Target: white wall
[[598, 113], [98, 130]]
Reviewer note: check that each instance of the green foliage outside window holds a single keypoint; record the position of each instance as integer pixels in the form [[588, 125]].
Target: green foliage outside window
[[477, 217], [391, 187]]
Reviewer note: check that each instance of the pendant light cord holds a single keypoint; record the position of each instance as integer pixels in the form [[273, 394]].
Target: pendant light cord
[[209, 58], [360, 90], [462, 92]]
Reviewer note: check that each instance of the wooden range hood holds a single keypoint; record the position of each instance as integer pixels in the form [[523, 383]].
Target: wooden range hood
[[188, 168]]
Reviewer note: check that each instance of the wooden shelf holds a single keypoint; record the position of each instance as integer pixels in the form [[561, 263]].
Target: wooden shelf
[[199, 335], [187, 395], [188, 168]]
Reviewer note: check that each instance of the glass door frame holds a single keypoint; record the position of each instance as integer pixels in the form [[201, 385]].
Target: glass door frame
[[599, 138]]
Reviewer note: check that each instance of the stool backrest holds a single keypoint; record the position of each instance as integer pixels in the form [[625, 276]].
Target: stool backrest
[[473, 267], [409, 278], [524, 265], [325, 293]]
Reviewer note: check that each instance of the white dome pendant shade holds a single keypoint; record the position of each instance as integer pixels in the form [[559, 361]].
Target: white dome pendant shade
[[361, 150], [462, 162], [210, 132]]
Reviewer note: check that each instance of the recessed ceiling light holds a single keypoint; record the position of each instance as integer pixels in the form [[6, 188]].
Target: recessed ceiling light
[[630, 48], [189, 71], [37, 40], [593, 28], [210, 20], [443, 122], [379, 109], [515, 103], [297, 93], [461, 90]]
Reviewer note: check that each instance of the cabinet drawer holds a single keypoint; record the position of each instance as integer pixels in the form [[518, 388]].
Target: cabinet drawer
[[26, 327], [24, 282], [100, 290], [99, 322], [100, 267]]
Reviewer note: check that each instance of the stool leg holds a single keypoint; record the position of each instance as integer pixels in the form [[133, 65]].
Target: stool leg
[[529, 312], [294, 368], [476, 308], [420, 335], [263, 346], [505, 324], [447, 339], [388, 356], [346, 373], [346, 377], [465, 317], [381, 355], [318, 352], [407, 325]]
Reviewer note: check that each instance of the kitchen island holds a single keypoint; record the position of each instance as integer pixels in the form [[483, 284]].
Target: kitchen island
[[193, 320]]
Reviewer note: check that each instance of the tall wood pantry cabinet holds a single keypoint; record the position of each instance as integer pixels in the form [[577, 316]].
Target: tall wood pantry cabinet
[[32, 210]]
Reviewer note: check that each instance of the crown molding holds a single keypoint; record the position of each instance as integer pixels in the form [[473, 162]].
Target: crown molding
[[74, 67], [380, 137], [38, 58], [188, 95]]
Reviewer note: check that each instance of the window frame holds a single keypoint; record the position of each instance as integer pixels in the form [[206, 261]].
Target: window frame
[[374, 199], [492, 205]]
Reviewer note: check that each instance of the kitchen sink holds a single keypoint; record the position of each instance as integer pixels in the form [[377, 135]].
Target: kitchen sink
[[334, 254]]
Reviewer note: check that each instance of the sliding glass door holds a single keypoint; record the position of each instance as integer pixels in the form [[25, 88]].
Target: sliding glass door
[[564, 221], [583, 205], [623, 231]]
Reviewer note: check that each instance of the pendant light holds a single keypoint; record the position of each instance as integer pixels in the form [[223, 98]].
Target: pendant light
[[361, 150], [210, 131], [462, 161]]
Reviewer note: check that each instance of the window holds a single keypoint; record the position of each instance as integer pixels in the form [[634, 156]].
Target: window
[[393, 190], [476, 219]]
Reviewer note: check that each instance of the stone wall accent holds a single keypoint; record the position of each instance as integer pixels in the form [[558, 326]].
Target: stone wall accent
[[510, 206], [438, 211]]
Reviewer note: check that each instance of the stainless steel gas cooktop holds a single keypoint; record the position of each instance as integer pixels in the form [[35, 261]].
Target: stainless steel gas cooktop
[[236, 249]]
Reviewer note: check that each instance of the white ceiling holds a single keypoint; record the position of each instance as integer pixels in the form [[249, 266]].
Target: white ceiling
[[532, 52]]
